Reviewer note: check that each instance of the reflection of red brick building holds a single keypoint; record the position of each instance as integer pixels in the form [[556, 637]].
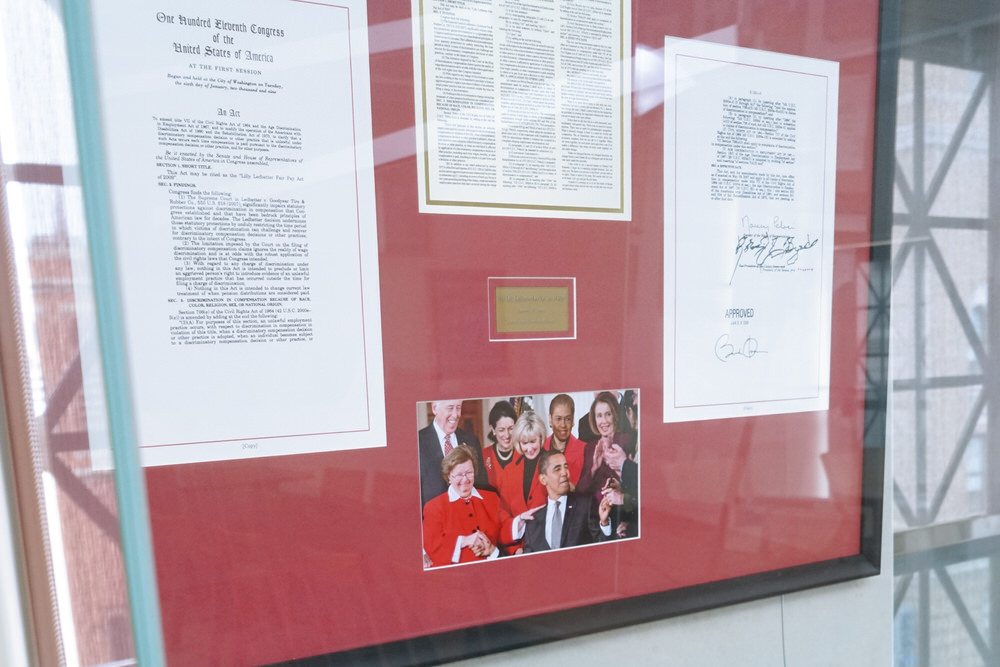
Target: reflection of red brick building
[[87, 532]]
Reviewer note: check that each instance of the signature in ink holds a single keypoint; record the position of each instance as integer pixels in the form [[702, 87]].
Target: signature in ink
[[781, 224], [725, 350], [747, 225], [767, 249], [752, 227]]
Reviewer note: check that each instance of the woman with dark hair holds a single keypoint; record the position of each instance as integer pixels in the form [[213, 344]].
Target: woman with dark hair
[[604, 456], [609, 467], [462, 524], [501, 452]]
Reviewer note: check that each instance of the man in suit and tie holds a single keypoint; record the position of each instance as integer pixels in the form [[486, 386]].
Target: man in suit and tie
[[567, 519], [438, 439]]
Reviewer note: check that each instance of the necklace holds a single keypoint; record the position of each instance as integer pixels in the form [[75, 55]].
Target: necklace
[[501, 457]]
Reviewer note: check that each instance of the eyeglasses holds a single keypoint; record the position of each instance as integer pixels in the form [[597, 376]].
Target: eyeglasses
[[455, 476]]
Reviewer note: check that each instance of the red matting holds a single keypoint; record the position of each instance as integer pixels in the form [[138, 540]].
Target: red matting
[[270, 559]]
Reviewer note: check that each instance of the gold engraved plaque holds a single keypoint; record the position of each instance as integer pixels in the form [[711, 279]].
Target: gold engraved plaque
[[532, 309]]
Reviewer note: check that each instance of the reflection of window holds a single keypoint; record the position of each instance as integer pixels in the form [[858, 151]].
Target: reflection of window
[[944, 198], [974, 475], [977, 313], [904, 640]]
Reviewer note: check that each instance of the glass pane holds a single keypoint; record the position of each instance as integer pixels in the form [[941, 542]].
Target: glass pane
[[945, 470], [84, 592], [961, 195], [905, 129], [36, 125], [949, 95], [965, 587]]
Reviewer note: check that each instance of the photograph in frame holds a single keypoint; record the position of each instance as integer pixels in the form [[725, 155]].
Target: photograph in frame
[[510, 476]]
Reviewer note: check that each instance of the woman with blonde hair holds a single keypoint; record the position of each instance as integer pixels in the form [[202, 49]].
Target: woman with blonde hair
[[520, 490]]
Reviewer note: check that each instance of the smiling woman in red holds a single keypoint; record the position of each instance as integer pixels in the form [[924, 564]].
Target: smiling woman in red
[[520, 490], [462, 524], [604, 458], [498, 455]]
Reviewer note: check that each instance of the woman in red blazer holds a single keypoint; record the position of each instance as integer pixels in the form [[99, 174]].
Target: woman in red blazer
[[463, 524], [519, 488], [501, 453]]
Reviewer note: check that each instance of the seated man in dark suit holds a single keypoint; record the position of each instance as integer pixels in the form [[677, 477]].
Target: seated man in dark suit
[[437, 439], [568, 519]]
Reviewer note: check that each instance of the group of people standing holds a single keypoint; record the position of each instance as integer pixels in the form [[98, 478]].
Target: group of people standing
[[529, 490]]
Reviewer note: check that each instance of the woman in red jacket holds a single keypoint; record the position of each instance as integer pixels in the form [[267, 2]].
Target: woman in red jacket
[[498, 455], [463, 524], [520, 490]]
